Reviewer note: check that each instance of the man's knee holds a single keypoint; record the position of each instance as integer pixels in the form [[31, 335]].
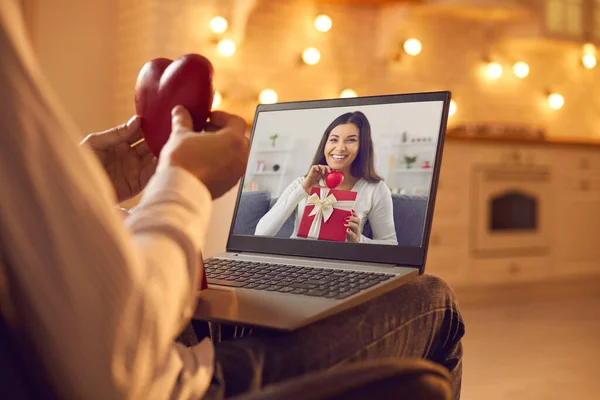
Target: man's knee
[[432, 290]]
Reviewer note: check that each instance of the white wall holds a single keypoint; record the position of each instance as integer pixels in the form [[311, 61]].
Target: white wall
[[301, 130]]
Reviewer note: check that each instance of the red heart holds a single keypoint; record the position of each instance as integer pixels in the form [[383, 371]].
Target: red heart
[[162, 84], [334, 179]]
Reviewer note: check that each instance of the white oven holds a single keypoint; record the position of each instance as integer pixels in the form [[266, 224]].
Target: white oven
[[511, 210]]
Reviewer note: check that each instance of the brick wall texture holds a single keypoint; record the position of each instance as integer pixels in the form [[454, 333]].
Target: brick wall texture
[[354, 54]]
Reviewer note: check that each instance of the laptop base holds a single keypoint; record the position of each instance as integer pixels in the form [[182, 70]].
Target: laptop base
[[285, 311]]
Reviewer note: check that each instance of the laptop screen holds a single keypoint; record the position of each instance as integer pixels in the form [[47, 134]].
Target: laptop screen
[[344, 174]]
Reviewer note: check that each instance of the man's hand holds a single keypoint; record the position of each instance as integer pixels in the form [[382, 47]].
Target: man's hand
[[217, 157], [129, 168]]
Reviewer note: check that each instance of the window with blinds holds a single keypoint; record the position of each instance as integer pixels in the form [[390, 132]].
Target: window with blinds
[[565, 17]]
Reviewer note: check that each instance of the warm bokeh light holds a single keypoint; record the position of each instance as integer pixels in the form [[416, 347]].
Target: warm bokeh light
[[521, 69], [413, 47], [556, 101], [589, 61], [226, 47], [218, 25], [311, 56], [323, 23], [589, 48], [347, 93], [268, 96], [452, 109], [217, 99], [494, 70]]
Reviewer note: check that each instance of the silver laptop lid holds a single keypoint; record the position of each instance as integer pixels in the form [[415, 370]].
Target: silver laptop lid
[[388, 148]]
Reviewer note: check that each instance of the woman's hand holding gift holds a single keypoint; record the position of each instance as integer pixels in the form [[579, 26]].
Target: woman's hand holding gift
[[353, 228]]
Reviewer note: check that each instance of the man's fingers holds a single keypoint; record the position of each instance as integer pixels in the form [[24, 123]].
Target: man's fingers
[[149, 159], [181, 120], [135, 133], [220, 120], [142, 149], [129, 132], [209, 127]]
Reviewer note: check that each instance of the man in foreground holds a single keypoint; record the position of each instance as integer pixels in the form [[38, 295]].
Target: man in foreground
[[100, 301]]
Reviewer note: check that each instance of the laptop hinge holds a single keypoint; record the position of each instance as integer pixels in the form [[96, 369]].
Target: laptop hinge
[[251, 256]]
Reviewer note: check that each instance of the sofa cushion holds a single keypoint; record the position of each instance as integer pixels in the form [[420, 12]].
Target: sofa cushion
[[252, 207], [409, 217]]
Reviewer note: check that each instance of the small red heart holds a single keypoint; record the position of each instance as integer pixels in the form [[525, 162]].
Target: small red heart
[[163, 84], [334, 179]]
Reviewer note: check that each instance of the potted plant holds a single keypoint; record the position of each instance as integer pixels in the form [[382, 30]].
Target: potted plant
[[410, 160], [273, 138]]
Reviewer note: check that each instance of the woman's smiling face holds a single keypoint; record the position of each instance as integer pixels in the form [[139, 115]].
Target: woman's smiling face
[[342, 147]]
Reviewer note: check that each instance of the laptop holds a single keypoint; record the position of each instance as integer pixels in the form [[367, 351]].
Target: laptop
[[285, 264]]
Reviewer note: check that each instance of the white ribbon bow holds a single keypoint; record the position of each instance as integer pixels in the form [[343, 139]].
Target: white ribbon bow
[[323, 208]]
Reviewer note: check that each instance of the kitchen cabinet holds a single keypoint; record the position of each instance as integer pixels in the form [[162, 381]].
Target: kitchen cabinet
[[448, 255], [577, 236], [577, 249], [508, 270], [574, 241]]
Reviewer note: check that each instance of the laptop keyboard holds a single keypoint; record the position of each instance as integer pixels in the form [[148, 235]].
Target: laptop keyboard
[[309, 281]]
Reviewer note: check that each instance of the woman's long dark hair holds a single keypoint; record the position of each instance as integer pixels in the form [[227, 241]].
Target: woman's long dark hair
[[363, 165]]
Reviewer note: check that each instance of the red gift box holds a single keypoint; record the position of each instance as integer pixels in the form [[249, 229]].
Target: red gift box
[[325, 214]]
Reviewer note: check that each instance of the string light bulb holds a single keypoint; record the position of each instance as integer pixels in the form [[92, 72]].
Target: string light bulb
[[218, 25], [413, 47], [588, 59], [226, 47], [521, 69], [556, 101], [589, 48], [348, 93], [311, 56], [323, 23], [268, 96], [452, 109], [217, 100], [494, 70]]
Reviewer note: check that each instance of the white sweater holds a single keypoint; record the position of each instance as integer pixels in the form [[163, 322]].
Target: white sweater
[[373, 203]]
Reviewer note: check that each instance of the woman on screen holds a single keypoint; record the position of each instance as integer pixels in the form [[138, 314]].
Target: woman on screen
[[346, 146]]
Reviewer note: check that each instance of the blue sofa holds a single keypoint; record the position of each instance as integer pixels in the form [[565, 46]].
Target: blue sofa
[[409, 216]]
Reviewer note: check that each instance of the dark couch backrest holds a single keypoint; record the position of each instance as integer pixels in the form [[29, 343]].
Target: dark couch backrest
[[409, 217], [252, 207]]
